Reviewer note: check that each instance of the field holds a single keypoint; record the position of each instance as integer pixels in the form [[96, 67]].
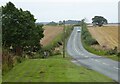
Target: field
[[53, 69], [106, 36], [50, 33]]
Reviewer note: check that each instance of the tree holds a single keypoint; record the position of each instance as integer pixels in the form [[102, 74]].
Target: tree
[[99, 21], [60, 23], [19, 29], [52, 23]]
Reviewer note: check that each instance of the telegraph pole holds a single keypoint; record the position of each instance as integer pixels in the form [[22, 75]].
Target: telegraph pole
[[64, 39]]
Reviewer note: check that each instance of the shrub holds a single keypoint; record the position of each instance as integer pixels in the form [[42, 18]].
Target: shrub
[[7, 61], [118, 54], [113, 51], [86, 36]]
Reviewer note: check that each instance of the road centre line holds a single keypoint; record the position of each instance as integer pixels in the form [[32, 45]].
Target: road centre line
[[82, 54], [116, 68], [97, 60], [105, 63], [86, 56], [75, 48]]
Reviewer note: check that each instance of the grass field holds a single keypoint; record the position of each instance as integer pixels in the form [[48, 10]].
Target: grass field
[[50, 33], [53, 69], [106, 36]]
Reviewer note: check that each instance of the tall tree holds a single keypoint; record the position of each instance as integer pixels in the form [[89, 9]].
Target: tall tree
[[99, 21], [19, 29]]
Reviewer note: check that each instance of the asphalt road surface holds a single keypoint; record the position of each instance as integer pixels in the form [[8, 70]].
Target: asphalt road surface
[[100, 64]]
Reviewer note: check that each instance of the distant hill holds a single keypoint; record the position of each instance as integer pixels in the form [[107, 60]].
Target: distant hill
[[52, 23], [60, 22], [43, 23], [72, 22]]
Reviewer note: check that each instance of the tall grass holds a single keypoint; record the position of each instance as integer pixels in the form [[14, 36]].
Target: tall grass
[[9, 60]]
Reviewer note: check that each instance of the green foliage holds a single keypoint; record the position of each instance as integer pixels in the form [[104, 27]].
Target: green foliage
[[9, 60], [60, 22], [86, 36], [20, 35], [0, 28], [118, 54], [99, 20], [19, 29], [112, 51], [7, 64]]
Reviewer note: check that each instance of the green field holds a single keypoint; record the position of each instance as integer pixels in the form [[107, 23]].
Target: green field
[[53, 69]]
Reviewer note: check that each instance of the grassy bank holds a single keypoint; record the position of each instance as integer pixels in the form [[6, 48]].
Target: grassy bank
[[53, 69], [99, 52], [88, 41]]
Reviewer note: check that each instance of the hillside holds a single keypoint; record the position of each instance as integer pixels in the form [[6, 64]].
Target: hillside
[[50, 33], [72, 22], [107, 36]]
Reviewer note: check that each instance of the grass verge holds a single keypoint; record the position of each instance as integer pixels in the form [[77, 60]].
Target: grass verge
[[53, 69], [99, 52]]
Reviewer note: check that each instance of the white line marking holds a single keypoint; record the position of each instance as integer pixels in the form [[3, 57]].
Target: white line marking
[[97, 60], [105, 63], [75, 47], [86, 56], [116, 68], [82, 54]]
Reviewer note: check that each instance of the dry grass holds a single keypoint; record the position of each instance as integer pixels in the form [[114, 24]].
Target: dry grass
[[50, 33], [106, 36]]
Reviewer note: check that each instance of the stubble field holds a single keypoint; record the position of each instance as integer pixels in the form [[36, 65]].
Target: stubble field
[[106, 36], [50, 33]]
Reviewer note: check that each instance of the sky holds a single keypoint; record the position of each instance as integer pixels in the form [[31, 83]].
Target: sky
[[56, 10]]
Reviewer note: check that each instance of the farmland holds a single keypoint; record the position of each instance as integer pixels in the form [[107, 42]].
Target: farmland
[[106, 36], [50, 33]]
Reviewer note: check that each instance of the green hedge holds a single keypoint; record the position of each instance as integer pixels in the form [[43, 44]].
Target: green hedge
[[86, 36]]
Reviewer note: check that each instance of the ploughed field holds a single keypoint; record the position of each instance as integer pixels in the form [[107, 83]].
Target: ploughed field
[[106, 36]]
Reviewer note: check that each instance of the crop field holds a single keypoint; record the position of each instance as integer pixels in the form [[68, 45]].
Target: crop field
[[50, 33], [106, 36]]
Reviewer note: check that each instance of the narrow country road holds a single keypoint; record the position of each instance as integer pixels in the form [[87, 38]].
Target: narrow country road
[[103, 65]]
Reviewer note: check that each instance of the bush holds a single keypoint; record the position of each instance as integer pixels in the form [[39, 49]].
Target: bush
[[57, 52], [113, 51], [86, 36], [118, 54], [7, 61]]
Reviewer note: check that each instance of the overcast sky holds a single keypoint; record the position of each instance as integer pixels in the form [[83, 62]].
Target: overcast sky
[[56, 10]]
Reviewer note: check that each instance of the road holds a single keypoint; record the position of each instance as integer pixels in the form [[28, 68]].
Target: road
[[100, 64]]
